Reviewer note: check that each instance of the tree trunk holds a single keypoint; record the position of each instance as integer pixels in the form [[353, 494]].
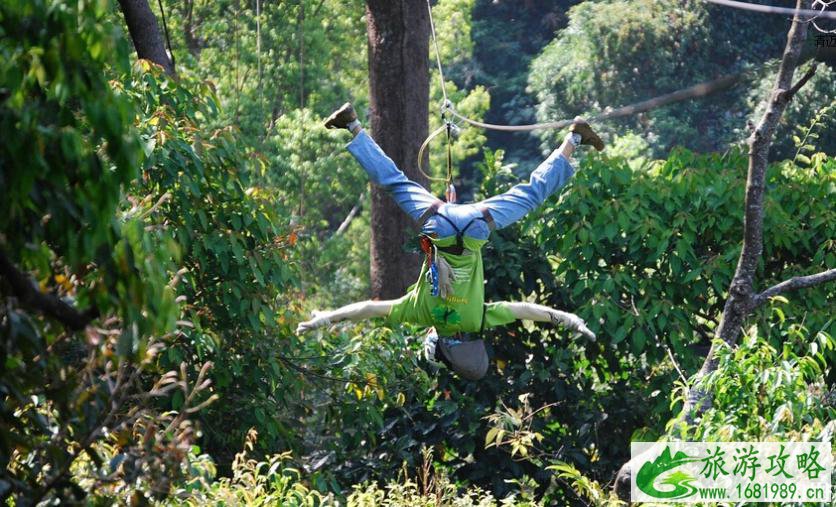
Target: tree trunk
[[398, 32], [742, 297], [742, 289], [145, 33], [190, 27]]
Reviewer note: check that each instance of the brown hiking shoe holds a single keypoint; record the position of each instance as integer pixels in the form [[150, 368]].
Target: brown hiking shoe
[[340, 118], [588, 136]]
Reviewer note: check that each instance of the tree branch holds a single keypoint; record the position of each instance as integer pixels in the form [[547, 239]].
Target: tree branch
[[738, 305], [48, 304], [794, 283], [145, 33], [801, 82], [351, 214]]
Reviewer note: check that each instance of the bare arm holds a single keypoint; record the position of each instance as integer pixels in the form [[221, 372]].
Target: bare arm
[[539, 313], [355, 311]]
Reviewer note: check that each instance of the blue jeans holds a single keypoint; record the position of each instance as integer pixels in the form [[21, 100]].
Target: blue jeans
[[414, 200]]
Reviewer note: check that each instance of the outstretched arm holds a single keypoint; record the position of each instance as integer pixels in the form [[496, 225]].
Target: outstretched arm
[[355, 311], [539, 313]]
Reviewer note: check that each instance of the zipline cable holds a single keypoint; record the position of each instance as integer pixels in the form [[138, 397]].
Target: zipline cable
[[698, 90], [695, 91], [446, 108], [167, 38]]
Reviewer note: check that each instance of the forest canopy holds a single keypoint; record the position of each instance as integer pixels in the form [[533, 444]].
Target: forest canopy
[[172, 207]]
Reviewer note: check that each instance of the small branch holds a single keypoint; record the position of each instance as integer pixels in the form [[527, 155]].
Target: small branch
[[675, 364], [351, 214], [48, 304], [316, 11], [789, 94], [692, 92], [794, 283]]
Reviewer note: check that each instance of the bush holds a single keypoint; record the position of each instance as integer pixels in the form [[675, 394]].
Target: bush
[[273, 482], [760, 393], [769, 388]]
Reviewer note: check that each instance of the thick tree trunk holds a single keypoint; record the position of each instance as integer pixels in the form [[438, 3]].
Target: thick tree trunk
[[398, 32], [145, 33]]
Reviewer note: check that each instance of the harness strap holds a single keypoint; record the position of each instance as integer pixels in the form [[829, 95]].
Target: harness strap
[[431, 210], [458, 249], [486, 216], [452, 224]]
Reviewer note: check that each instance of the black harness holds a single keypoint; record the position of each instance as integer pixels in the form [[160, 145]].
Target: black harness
[[458, 248]]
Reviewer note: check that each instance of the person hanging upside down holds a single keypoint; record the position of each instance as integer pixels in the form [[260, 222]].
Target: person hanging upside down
[[449, 296]]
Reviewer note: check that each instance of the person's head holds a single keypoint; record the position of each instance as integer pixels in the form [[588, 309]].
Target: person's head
[[464, 354]]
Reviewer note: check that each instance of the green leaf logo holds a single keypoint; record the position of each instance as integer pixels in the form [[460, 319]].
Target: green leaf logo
[[445, 315], [681, 481]]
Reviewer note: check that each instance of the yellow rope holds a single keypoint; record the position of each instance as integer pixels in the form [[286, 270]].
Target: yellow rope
[[445, 107], [432, 136]]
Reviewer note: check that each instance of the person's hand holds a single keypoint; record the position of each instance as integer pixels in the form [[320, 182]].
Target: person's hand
[[318, 319], [582, 329], [573, 322]]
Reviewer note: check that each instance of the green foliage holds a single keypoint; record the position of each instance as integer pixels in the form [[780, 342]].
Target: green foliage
[[655, 249], [453, 29], [311, 165], [431, 487], [762, 390], [252, 483], [197, 218], [234, 244], [310, 54], [810, 115], [588, 489], [506, 37], [70, 146], [645, 256], [274, 80], [618, 53], [70, 152], [769, 388], [806, 152], [274, 481]]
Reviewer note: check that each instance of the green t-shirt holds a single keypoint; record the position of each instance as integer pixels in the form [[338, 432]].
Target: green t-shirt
[[461, 311]]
